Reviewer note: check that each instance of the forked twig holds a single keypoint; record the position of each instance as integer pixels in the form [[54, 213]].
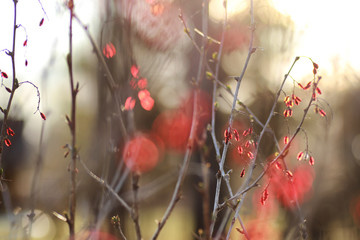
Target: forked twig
[[72, 125], [109, 78], [226, 145], [191, 140], [15, 85], [106, 185]]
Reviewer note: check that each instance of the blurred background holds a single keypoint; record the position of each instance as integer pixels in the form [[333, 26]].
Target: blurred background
[[150, 35]]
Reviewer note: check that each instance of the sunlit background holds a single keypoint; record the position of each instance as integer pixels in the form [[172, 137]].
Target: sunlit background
[[324, 30]]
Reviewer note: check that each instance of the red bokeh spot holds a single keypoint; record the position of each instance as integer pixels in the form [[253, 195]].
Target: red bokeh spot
[[355, 209], [146, 101], [236, 37], [265, 203], [203, 104], [109, 50], [291, 187], [157, 9], [134, 71], [129, 104], [154, 23], [140, 154], [94, 235], [173, 127], [143, 94], [259, 229], [142, 83]]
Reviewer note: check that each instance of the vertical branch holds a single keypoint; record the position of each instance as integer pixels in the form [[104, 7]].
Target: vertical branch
[[226, 145], [115, 220], [191, 141], [109, 78], [72, 126], [15, 85], [135, 210], [247, 185], [206, 197], [213, 109], [38, 166]]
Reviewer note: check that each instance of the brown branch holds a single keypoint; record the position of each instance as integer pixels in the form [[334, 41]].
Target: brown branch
[[252, 163], [34, 182], [213, 109], [135, 210], [115, 220], [226, 145], [206, 197], [72, 126], [109, 78], [247, 186], [191, 141], [106, 185], [15, 85]]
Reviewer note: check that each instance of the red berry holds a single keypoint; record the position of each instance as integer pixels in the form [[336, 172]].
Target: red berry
[[42, 116]]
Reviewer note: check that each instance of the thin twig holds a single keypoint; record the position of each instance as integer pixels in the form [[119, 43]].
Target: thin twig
[[34, 182], [205, 197], [135, 211], [191, 140], [238, 79], [252, 163], [72, 126], [247, 184], [42, 7], [37, 92], [109, 78], [15, 85], [213, 109], [106, 185], [116, 221]]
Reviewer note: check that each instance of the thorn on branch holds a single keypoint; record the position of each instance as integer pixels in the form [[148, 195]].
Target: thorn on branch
[[68, 121], [218, 174], [31, 216], [68, 60], [76, 90], [16, 83], [9, 53]]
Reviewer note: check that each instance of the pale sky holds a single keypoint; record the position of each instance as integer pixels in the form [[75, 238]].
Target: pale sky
[[329, 34]]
